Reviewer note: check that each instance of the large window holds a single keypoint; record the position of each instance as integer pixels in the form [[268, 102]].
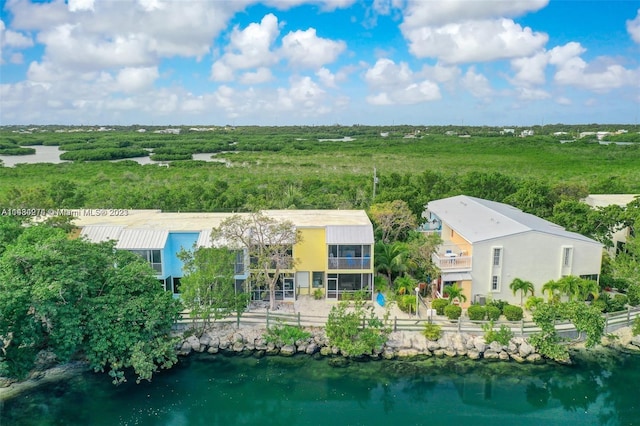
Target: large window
[[153, 257], [349, 256], [343, 286]]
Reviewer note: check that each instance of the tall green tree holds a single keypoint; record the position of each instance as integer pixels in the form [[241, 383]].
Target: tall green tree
[[75, 298], [393, 220], [207, 287], [269, 243], [522, 286]]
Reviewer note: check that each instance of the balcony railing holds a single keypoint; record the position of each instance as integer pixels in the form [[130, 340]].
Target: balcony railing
[[452, 261], [349, 263]]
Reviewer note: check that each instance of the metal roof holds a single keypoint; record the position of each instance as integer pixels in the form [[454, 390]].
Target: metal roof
[[99, 234], [603, 200], [355, 234], [147, 239], [478, 220]]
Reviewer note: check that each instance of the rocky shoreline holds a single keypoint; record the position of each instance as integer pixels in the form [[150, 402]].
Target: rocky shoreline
[[400, 344], [405, 345]]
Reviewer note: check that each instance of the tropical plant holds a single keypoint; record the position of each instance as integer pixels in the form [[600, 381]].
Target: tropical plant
[[390, 259], [405, 285], [635, 328], [523, 287], [75, 298], [354, 328], [285, 334], [553, 289], [533, 302], [207, 287], [406, 303], [633, 293], [503, 335], [439, 305], [432, 331], [454, 292]]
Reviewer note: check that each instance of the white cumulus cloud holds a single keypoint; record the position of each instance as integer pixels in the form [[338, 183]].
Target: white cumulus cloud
[[633, 28], [306, 49], [396, 84], [248, 48]]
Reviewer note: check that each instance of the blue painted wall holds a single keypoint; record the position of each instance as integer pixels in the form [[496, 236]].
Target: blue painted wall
[[175, 242]]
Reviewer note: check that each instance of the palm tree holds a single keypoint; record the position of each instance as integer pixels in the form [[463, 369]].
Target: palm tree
[[553, 289], [569, 285], [454, 292], [586, 288], [522, 286], [390, 259]]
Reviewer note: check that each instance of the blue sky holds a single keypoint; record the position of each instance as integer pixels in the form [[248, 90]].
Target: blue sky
[[320, 62]]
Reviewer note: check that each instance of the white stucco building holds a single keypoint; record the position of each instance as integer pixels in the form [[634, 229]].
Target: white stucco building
[[486, 245]]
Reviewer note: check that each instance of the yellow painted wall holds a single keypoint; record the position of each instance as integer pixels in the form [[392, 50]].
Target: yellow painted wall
[[311, 253]]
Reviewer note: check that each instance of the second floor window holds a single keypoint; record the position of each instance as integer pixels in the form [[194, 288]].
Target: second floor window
[[497, 256]]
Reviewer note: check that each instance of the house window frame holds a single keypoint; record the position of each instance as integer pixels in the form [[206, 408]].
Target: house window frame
[[495, 283], [496, 256], [567, 256]]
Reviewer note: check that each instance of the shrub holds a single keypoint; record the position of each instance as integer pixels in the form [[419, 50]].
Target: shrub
[[493, 313], [500, 304], [633, 294], [512, 313], [533, 302], [635, 328], [432, 331], [617, 303], [318, 294], [284, 334], [621, 284], [600, 304], [502, 335], [453, 312], [439, 305], [476, 312]]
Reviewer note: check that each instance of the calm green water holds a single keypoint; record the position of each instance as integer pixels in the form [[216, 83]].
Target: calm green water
[[223, 390]]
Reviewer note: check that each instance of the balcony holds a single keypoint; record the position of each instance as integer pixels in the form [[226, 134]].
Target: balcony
[[350, 262], [450, 261]]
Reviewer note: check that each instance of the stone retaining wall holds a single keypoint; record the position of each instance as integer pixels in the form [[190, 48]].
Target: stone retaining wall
[[400, 344]]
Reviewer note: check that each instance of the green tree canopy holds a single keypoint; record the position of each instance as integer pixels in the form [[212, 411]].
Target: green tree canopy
[[268, 241], [207, 287], [393, 220], [76, 298]]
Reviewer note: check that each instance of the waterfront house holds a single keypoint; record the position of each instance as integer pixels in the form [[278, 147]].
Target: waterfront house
[[334, 255], [486, 245]]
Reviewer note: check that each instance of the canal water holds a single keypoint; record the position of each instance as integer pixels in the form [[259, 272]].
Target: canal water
[[221, 390]]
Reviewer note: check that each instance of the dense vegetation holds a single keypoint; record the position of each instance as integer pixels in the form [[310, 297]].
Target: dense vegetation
[[77, 300], [262, 167]]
